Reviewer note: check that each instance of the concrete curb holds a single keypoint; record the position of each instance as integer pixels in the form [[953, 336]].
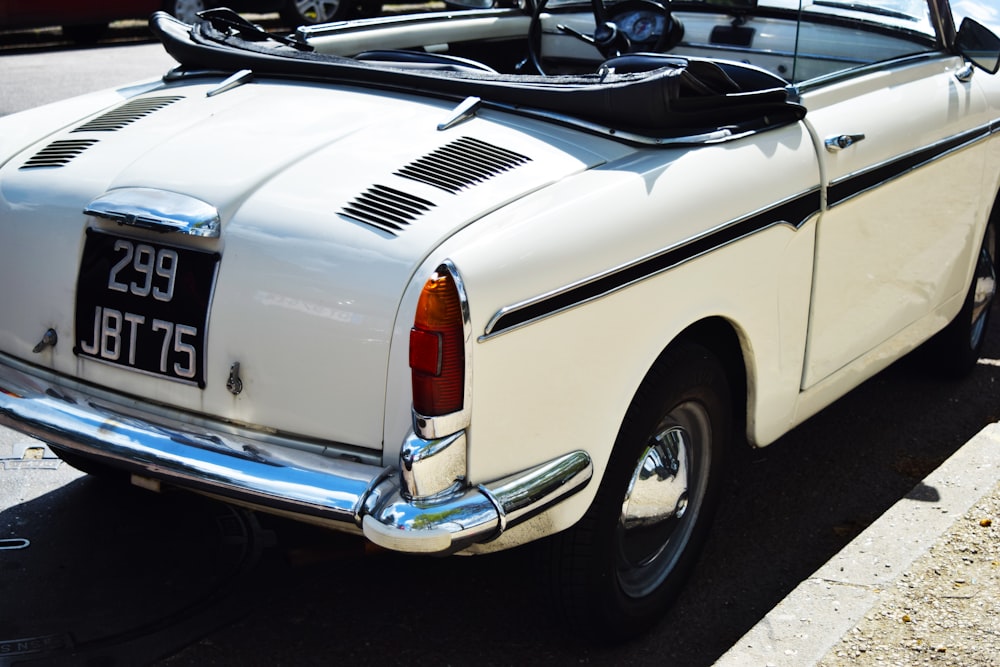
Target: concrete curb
[[821, 610]]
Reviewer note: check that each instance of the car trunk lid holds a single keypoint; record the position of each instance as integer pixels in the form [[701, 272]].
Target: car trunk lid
[[327, 202]]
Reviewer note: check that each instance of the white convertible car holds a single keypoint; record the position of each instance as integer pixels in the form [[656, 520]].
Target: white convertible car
[[460, 281]]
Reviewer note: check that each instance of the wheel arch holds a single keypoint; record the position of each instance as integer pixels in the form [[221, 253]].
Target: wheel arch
[[994, 214], [623, 562], [993, 218], [723, 339]]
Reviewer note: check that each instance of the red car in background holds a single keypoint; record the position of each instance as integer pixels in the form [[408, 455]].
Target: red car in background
[[87, 21]]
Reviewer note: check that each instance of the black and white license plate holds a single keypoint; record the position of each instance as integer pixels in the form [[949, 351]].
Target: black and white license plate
[[144, 305]]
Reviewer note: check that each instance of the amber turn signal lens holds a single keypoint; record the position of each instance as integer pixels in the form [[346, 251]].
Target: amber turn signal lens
[[439, 305]]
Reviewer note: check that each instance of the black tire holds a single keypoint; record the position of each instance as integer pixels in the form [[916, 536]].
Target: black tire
[[310, 12], [623, 564], [955, 350]]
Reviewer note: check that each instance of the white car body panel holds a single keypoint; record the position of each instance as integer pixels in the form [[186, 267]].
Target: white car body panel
[[555, 256], [885, 258]]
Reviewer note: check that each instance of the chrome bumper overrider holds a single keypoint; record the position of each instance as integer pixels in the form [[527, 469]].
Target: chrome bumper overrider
[[232, 464]]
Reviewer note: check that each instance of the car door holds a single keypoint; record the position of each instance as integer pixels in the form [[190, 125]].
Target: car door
[[902, 148]]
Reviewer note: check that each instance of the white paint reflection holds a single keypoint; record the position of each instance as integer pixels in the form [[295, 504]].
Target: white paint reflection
[[310, 308]]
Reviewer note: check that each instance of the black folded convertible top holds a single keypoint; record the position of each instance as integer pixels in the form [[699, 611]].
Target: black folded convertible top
[[679, 98]]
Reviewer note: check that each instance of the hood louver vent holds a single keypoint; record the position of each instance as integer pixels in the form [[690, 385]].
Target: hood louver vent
[[386, 208], [58, 153], [126, 114], [462, 163]]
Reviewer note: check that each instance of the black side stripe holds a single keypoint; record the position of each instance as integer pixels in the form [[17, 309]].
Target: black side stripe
[[841, 191], [794, 212]]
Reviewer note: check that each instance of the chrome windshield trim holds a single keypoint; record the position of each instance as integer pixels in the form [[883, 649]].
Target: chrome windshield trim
[[710, 137], [158, 210]]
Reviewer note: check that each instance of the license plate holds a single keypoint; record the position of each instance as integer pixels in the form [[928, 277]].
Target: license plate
[[144, 306]]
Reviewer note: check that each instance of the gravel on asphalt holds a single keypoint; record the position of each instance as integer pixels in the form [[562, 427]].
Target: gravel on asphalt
[[944, 609], [920, 586]]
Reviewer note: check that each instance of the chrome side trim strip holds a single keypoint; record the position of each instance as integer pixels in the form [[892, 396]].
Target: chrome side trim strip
[[852, 185], [159, 210], [793, 212]]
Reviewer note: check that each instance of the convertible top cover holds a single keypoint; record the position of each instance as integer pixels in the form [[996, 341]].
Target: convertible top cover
[[649, 94]]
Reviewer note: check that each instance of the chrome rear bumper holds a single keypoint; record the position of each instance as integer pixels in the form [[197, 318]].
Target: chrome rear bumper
[[234, 465]]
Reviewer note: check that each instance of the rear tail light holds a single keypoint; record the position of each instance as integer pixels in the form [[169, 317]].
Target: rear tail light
[[437, 347]]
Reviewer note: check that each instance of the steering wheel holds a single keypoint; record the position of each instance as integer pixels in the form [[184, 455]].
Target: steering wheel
[[624, 27], [632, 26]]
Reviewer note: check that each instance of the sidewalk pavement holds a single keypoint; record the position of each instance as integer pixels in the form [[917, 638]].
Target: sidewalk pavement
[[919, 586]]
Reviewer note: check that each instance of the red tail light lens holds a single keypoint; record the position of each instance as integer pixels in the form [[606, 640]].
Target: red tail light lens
[[437, 348]]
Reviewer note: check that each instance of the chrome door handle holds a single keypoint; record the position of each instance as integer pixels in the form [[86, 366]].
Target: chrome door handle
[[839, 143]]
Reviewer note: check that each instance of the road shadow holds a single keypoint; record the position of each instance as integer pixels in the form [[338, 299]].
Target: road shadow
[[789, 508], [113, 575]]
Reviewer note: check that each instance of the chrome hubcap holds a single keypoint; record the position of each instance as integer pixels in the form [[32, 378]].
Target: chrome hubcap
[[317, 11], [663, 498], [187, 10]]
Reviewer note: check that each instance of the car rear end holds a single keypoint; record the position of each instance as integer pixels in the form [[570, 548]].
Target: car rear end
[[198, 295]]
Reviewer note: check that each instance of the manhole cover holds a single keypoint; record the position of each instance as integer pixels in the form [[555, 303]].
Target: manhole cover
[[110, 575]]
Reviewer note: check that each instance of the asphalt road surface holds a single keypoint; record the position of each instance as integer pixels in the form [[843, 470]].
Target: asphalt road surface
[[39, 67], [115, 575]]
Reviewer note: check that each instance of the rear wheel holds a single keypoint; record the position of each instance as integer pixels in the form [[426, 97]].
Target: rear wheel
[[956, 349], [622, 565], [185, 10], [309, 12]]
